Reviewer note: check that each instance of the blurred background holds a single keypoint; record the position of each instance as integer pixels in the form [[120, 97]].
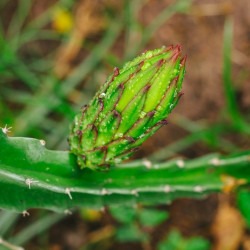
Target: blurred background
[[54, 55]]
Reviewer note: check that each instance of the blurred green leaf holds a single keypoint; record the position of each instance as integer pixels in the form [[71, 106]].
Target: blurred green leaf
[[7, 220], [175, 241], [152, 217], [124, 214], [172, 242], [231, 102], [244, 205], [36, 228], [56, 178], [130, 233], [197, 243]]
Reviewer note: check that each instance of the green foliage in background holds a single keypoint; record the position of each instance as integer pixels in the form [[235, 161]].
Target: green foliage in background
[[244, 205], [175, 241], [134, 220]]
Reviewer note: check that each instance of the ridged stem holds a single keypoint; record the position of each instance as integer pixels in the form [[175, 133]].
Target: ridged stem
[[41, 178]]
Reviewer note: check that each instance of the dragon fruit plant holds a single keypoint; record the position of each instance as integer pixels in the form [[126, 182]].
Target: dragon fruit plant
[[130, 107]]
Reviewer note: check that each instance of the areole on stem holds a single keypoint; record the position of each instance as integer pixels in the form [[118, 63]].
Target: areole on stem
[[130, 107]]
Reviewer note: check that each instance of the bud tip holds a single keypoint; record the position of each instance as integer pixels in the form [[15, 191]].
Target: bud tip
[[180, 94], [178, 48], [183, 60], [116, 71], [169, 48]]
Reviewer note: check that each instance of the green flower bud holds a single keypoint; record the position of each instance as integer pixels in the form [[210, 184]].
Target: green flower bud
[[131, 106]]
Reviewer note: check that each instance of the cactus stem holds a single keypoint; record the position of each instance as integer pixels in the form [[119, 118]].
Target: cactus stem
[[156, 166], [196, 180]]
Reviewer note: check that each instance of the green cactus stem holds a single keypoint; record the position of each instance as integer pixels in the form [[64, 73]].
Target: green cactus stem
[[131, 106], [32, 176]]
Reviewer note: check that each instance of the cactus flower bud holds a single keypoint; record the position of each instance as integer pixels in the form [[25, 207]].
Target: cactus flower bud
[[130, 107]]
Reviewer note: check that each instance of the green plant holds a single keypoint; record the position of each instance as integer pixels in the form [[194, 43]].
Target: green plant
[[40, 178], [175, 241], [244, 205], [133, 221]]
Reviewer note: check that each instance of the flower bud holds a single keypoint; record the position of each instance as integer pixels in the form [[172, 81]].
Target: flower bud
[[130, 107]]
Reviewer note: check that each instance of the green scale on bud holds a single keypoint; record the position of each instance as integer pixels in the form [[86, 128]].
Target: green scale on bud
[[130, 107]]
